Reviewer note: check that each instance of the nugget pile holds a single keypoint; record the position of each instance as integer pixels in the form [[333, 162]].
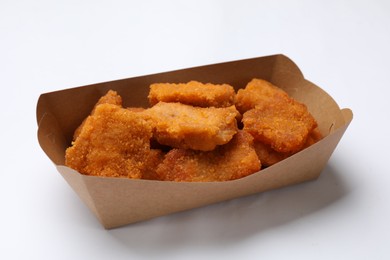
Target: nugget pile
[[191, 133]]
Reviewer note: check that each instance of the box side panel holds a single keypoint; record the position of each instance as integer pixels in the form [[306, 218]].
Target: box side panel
[[77, 183], [52, 138]]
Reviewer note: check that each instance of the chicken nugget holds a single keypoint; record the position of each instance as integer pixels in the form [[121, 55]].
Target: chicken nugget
[[233, 160], [111, 97], [193, 93], [113, 142], [184, 126], [283, 126], [259, 91]]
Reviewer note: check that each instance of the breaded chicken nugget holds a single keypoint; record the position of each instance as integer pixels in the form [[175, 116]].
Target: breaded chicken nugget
[[111, 97], [113, 142], [274, 118], [184, 126], [233, 160], [284, 126], [259, 91], [193, 93]]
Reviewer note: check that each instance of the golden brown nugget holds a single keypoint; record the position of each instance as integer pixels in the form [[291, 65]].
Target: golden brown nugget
[[111, 97], [188, 127], [231, 161], [259, 91], [193, 93], [283, 126], [113, 142]]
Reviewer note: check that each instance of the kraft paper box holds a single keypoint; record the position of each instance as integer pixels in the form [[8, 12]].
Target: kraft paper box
[[119, 201]]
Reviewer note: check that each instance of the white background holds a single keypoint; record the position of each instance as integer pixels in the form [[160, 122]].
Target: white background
[[342, 46]]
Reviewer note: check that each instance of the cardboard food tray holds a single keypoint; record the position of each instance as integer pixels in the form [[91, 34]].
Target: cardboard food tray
[[120, 201]]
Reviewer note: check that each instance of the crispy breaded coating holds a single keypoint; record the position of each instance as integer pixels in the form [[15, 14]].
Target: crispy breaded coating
[[283, 126], [113, 142], [259, 91], [111, 97], [193, 93], [188, 127], [233, 160]]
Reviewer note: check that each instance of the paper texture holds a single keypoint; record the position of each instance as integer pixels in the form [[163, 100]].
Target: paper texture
[[117, 201]]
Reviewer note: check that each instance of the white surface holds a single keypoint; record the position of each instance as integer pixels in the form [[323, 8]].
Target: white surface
[[342, 46]]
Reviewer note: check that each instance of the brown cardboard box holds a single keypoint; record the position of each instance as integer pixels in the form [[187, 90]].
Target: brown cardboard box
[[117, 201]]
